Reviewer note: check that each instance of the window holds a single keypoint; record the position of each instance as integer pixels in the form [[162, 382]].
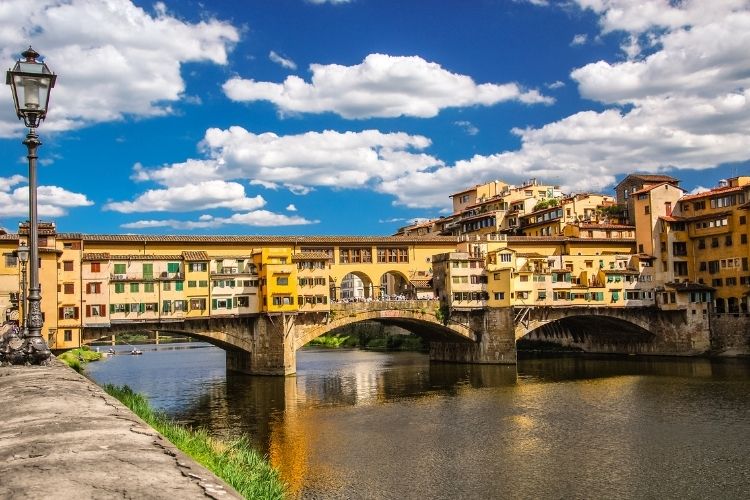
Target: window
[[680, 268], [243, 301], [173, 267], [679, 248], [282, 280], [119, 287], [541, 295], [701, 244], [148, 287], [714, 242], [743, 220], [68, 335], [716, 282], [713, 266], [96, 267], [119, 268], [67, 265], [282, 300], [731, 281], [702, 266], [647, 210], [67, 312], [166, 306], [197, 304], [134, 287], [92, 288], [728, 240], [68, 288], [743, 239], [167, 286], [148, 271], [178, 285], [505, 257], [203, 283], [95, 310], [191, 284], [197, 266], [393, 255]]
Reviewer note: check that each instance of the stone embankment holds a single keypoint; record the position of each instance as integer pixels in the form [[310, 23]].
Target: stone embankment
[[62, 436]]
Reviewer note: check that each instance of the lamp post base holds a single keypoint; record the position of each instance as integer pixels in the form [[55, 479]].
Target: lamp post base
[[18, 350]]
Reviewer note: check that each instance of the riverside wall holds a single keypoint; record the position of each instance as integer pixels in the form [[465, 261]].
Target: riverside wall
[[63, 437], [730, 334]]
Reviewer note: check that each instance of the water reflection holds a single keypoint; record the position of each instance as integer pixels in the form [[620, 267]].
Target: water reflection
[[355, 424]]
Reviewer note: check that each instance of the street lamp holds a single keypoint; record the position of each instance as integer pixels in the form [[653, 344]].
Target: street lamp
[[31, 82], [23, 258]]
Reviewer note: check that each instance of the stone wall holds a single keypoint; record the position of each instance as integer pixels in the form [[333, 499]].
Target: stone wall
[[271, 351], [730, 334], [496, 339]]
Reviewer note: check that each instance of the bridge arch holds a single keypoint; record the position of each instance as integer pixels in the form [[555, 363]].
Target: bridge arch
[[422, 322], [354, 285], [394, 282], [588, 330]]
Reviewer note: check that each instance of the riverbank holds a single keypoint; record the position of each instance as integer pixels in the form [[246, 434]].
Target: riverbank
[[64, 437]]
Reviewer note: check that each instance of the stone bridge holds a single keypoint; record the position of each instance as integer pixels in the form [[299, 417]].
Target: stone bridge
[[267, 344], [633, 330]]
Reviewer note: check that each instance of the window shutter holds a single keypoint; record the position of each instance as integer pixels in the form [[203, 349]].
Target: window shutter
[[111, 308], [88, 311], [141, 307], [75, 313], [102, 310], [60, 313], [213, 304]]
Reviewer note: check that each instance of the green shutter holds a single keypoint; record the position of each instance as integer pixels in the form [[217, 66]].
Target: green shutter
[[148, 271], [178, 285], [213, 304], [141, 307], [554, 278], [111, 308], [173, 267]]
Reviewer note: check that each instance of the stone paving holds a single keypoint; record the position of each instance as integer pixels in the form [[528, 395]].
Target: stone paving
[[62, 436]]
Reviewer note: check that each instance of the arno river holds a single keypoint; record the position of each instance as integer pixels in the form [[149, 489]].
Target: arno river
[[357, 424]]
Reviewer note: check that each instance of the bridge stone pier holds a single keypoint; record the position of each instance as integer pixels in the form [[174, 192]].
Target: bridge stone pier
[[264, 344]]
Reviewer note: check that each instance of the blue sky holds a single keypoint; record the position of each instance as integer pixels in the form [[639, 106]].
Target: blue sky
[[356, 117]]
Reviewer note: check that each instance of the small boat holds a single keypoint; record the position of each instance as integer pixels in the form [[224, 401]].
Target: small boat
[[136, 352]]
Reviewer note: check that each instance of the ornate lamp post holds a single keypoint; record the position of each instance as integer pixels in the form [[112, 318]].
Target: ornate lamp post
[[23, 258], [31, 82]]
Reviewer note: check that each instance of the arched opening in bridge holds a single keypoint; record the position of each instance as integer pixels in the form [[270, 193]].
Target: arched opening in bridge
[[394, 285], [354, 287], [594, 333]]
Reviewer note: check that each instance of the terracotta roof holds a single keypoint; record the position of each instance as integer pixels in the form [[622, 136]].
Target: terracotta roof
[[711, 192], [145, 257], [262, 239], [532, 255], [620, 271], [95, 256], [713, 215], [195, 256], [645, 256], [311, 256], [650, 188]]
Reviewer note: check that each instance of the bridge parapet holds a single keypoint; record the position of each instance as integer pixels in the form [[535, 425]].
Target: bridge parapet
[[381, 305]]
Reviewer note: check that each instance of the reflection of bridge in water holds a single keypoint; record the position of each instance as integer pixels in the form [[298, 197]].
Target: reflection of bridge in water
[[267, 343]]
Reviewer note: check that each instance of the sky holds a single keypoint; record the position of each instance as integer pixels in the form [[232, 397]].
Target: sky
[[356, 117]]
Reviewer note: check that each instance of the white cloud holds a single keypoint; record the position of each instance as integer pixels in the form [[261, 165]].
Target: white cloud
[[191, 196], [468, 127], [381, 86], [282, 61], [52, 201], [298, 162], [291, 208], [699, 189], [686, 105], [256, 218], [122, 43], [579, 39], [556, 85]]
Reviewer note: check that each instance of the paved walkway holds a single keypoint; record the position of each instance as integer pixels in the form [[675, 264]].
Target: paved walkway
[[61, 436]]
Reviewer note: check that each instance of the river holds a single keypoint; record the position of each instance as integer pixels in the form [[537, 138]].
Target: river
[[361, 424]]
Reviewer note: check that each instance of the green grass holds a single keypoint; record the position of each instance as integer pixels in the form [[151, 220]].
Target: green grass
[[332, 341], [236, 462], [77, 358]]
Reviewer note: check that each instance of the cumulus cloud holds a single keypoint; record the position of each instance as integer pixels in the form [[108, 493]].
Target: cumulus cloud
[[120, 40], [193, 196], [282, 61], [685, 105], [256, 218], [298, 162], [52, 201], [556, 85], [291, 208], [381, 86]]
